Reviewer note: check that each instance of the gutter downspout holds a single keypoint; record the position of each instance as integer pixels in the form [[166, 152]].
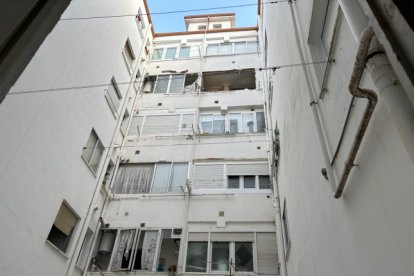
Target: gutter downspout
[[358, 92]]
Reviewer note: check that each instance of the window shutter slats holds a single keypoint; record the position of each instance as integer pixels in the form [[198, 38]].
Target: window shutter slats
[[65, 220], [267, 259], [208, 176], [248, 169], [230, 237], [198, 236], [157, 125]]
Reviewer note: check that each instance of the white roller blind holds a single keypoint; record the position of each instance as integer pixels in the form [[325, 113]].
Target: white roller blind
[[329, 24], [230, 237], [65, 220], [197, 236], [161, 124], [208, 176], [267, 258], [248, 169]]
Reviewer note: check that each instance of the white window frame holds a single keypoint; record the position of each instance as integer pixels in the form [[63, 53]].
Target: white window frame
[[113, 103], [97, 144], [127, 50], [169, 84], [140, 20], [232, 46], [179, 127], [191, 47], [227, 122]]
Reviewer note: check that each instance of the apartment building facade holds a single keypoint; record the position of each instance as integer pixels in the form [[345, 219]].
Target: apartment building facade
[[346, 160], [191, 192]]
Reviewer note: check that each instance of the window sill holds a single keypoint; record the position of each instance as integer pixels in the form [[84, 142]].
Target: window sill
[[61, 253], [232, 54]]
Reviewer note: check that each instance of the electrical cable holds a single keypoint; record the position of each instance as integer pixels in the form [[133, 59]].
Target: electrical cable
[[170, 12], [273, 68]]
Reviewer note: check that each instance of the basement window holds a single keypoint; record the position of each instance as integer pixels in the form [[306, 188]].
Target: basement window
[[61, 232], [229, 80]]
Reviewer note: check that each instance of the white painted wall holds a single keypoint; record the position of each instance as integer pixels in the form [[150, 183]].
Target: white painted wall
[[43, 133], [366, 232]]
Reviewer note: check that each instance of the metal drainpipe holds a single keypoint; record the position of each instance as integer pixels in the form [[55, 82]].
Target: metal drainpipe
[[358, 92], [392, 94]]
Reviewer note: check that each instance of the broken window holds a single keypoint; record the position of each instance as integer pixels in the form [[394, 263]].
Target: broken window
[[154, 178], [171, 84], [229, 80]]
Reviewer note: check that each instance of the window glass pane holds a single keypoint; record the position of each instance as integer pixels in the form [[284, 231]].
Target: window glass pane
[[196, 257], [235, 123], [157, 54], [96, 156], [184, 52], [194, 51], [249, 181], [233, 182], [212, 49], [161, 178], [248, 123], [179, 177], [90, 145], [170, 53], [264, 182], [243, 256], [251, 47], [218, 124], [226, 48], [162, 84], [133, 179], [239, 47], [177, 83], [261, 126], [220, 256], [207, 123]]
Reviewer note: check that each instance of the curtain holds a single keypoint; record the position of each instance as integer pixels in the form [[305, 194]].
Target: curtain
[[123, 251], [149, 248], [133, 179]]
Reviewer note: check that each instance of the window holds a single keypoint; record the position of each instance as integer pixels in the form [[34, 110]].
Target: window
[[196, 256], [243, 176], [285, 225], [157, 55], [86, 245], [170, 53], [217, 26], [63, 227], [129, 56], [202, 27], [92, 151], [179, 123], [229, 80], [242, 122], [113, 96], [124, 124], [151, 178], [140, 20], [227, 48], [230, 252], [135, 249], [189, 51], [169, 84]]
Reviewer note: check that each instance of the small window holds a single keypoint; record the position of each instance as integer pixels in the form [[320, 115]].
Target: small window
[[124, 124], [86, 245], [233, 182], [62, 228], [243, 252], [202, 27], [113, 96], [217, 26], [92, 151], [128, 54], [264, 182], [220, 257], [249, 181]]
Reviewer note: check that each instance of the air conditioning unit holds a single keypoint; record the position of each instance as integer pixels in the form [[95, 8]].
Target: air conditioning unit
[[184, 42], [176, 233], [147, 87]]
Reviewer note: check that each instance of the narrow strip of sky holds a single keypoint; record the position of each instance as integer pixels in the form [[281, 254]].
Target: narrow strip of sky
[[245, 16]]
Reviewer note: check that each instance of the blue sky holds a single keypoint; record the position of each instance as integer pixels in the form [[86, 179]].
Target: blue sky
[[245, 16]]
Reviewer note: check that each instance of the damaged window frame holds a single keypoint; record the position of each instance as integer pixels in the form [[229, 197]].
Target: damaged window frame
[[153, 81], [233, 52], [229, 80], [136, 242]]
